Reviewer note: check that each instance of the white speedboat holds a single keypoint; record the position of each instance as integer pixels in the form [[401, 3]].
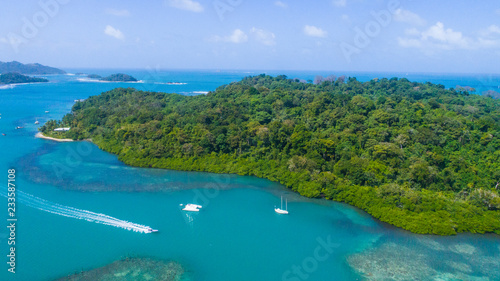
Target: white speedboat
[[280, 210], [150, 230], [192, 208]]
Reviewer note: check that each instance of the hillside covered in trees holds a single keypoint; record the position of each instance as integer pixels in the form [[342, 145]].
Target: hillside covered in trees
[[415, 155], [119, 77], [30, 68], [16, 78]]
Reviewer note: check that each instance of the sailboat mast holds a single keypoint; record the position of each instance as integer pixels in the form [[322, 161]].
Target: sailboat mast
[[281, 202], [286, 204]]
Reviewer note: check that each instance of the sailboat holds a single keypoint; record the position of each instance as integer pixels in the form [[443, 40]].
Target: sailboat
[[36, 122], [192, 207], [280, 210]]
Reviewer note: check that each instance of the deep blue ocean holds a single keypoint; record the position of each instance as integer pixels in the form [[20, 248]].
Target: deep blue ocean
[[77, 207]]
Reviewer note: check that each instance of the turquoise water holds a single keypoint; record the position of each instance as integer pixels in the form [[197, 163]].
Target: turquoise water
[[236, 236]]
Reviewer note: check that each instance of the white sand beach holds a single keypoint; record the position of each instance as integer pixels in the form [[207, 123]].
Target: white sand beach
[[40, 135]]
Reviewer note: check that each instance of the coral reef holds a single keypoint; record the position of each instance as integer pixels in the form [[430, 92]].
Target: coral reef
[[132, 269]]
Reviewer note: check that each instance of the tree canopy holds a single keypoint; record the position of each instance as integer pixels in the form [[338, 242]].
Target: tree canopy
[[16, 78], [415, 155], [119, 77]]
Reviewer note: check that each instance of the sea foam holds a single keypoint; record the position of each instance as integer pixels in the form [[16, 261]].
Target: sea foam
[[67, 211]]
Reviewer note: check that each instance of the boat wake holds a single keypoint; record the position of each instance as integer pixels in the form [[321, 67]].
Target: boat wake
[[66, 211]]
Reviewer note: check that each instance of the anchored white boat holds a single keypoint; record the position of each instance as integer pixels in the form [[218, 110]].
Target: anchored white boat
[[280, 210], [192, 208]]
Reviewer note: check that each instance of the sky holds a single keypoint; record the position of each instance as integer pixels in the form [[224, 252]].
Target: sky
[[442, 36]]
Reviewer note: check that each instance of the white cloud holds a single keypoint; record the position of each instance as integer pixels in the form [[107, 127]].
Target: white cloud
[[345, 17], [314, 31], [408, 17], [281, 4], [412, 32], [340, 3], [113, 32], [188, 5], [263, 36], [118, 13], [447, 36], [12, 40], [490, 37], [492, 30], [488, 43], [441, 38], [497, 12], [238, 36], [409, 43]]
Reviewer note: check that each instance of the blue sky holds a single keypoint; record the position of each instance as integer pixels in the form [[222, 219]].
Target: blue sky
[[350, 35]]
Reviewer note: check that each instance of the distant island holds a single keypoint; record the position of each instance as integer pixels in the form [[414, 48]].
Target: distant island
[[469, 89], [31, 69], [492, 94], [119, 77], [94, 76], [16, 78], [415, 155]]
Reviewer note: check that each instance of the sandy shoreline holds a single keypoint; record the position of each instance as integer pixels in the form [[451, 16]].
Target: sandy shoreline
[[41, 136]]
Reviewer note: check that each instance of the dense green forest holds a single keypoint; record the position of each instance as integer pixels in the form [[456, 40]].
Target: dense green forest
[[415, 155], [30, 68], [119, 77], [16, 78]]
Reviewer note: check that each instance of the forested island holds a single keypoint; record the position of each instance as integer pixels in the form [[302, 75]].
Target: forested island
[[415, 155], [119, 77], [31, 68], [16, 78]]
